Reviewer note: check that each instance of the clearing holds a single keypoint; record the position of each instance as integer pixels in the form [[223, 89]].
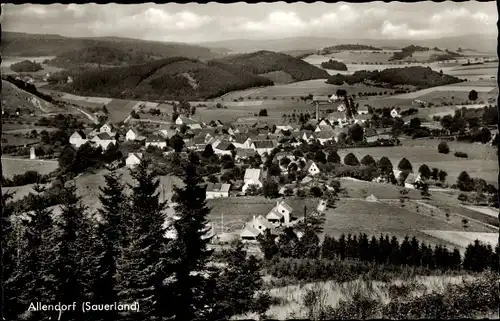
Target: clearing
[[12, 166]]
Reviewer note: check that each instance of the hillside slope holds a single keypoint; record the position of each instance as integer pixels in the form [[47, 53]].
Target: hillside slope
[[14, 97], [164, 79], [33, 45], [262, 62], [419, 77]]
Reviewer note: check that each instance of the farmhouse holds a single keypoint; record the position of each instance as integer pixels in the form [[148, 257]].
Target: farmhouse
[[412, 180], [311, 168], [261, 223], [253, 176], [223, 148], [324, 136], [78, 138], [106, 128], [384, 134], [217, 190], [241, 141], [192, 124], [280, 214], [133, 159], [371, 135], [156, 141], [104, 140], [262, 146], [131, 134], [249, 233]]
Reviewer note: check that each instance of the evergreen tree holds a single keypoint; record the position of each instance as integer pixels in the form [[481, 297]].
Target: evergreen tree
[[268, 245], [109, 244], [33, 276], [333, 157], [425, 171], [236, 285], [143, 266], [288, 243], [395, 256], [351, 160], [192, 279], [368, 161], [363, 248], [73, 260], [342, 247], [456, 259], [406, 251], [374, 249], [416, 254], [328, 248], [308, 245], [405, 165]]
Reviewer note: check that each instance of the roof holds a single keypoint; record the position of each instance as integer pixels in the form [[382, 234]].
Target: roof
[[138, 155], [252, 174], [185, 120], [200, 139], [371, 198], [79, 132], [218, 187], [240, 138], [384, 131], [324, 135], [155, 138], [370, 132], [133, 130], [309, 164], [336, 115], [263, 221], [263, 144], [225, 145], [104, 136], [249, 230], [273, 213], [244, 152], [286, 206]]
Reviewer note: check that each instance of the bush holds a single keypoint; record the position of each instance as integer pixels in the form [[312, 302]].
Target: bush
[[443, 148], [461, 155], [263, 113], [350, 159]]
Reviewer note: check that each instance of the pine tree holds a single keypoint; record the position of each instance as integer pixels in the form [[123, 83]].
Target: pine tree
[[236, 285], [395, 256], [73, 260], [109, 243], [342, 247], [33, 276], [363, 247], [416, 254], [143, 266], [328, 248], [374, 249], [406, 251], [191, 284], [456, 259]]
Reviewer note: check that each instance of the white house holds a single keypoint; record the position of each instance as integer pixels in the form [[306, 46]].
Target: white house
[[261, 223], [370, 135], [280, 214], [78, 138], [106, 128], [133, 159], [156, 141], [192, 124], [223, 148], [341, 108], [324, 136], [394, 113], [131, 134], [241, 141], [253, 176], [217, 190], [311, 168]]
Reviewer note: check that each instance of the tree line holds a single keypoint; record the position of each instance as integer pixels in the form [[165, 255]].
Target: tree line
[[121, 253]]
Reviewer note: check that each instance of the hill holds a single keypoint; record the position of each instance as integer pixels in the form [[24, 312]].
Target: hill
[[262, 62], [407, 52], [33, 45], [26, 66], [164, 79], [14, 97], [417, 76], [334, 65], [431, 55], [331, 49]]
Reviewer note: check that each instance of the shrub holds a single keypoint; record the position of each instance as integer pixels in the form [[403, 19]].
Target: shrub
[[443, 148], [263, 112], [461, 155]]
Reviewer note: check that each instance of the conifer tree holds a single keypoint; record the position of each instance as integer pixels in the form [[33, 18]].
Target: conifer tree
[[342, 247], [308, 245], [33, 276], [73, 260], [268, 245], [363, 247], [395, 256], [109, 243], [143, 266], [416, 254], [191, 285], [374, 249]]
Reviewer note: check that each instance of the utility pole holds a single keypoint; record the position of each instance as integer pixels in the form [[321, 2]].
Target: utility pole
[[305, 215]]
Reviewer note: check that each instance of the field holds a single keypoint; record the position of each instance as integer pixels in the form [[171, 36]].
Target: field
[[463, 239], [481, 163], [291, 298], [13, 166], [493, 212]]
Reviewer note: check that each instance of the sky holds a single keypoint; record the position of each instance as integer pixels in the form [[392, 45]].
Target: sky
[[195, 23]]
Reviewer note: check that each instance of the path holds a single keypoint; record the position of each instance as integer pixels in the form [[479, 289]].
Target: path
[[89, 116]]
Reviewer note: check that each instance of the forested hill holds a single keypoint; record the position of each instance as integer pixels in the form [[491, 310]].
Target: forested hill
[[164, 79], [262, 62], [33, 45]]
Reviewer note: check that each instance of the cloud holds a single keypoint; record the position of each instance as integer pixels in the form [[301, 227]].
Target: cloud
[[193, 22]]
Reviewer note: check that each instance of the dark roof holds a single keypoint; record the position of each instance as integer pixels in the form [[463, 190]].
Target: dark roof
[[370, 132], [104, 136], [155, 138], [263, 144], [240, 138], [224, 145]]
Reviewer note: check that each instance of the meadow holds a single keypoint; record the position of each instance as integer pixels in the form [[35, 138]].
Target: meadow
[[13, 166], [463, 238]]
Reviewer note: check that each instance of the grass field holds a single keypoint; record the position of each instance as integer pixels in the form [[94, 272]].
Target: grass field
[[462, 238], [13, 166], [481, 162], [493, 212]]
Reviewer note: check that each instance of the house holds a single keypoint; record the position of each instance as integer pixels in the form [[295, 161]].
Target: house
[[223, 148], [32, 153], [363, 111], [321, 206], [394, 113], [131, 134], [167, 133], [280, 214], [240, 140], [307, 135], [284, 128], [384, 134], [338, 131], [341, 108], [371, 198], [244, 153], [321, 100], [249, 233], [262, 146], [133, 159], [106, 128], [104, 140], [324, 137], [156, 141], [262, 224], [192, 124], [412, 180], [78, 138], [311, 168], [217, 190], [371, 135], [253, 176]]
